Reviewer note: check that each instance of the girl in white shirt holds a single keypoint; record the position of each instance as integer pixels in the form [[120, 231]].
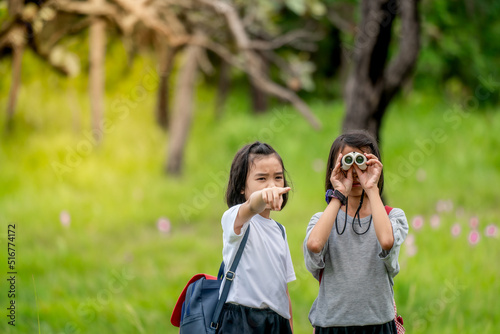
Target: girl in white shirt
[[258, 301]]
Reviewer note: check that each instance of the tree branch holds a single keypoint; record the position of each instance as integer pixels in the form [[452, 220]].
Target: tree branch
[[84, 8], [409, 45], [152, 22], [252, 63], [263, 82], [290, 37]]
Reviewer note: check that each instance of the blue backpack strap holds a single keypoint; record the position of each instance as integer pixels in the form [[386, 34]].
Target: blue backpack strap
[[282, 230], [228, 280]]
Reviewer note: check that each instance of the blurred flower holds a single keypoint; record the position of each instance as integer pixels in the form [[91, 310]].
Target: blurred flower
[[435, 221], [163, 225], [444, 205], [474, 222], [410, 240], [491, 231], [65, 218], [440, 206], [474, 237], [411, 250], [417, 222], [318, 165], [421, 175], [456, 229]]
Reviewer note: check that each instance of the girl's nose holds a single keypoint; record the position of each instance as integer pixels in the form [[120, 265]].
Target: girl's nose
[[271, 184]]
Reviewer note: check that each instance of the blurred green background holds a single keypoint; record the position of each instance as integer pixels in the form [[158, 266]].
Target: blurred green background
[[106, 240]]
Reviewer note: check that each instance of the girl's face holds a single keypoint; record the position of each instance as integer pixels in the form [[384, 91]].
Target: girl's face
[[356, 186], [265, 172]]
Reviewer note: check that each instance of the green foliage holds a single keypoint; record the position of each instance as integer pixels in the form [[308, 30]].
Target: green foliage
[[458, 43], [112, 271]]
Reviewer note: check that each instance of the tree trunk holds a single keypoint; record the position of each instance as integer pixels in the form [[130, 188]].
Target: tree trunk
[[222, 87], [183, 110], [17, 57], [97, 37], [260, 98], [167, 56], [372, 84], [15, 7]]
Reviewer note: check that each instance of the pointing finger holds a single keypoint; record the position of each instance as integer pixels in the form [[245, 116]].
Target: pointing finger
[[283, 190]]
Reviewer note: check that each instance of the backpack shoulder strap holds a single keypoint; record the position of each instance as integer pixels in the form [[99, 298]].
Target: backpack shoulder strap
[[282, 230], [228, 278]]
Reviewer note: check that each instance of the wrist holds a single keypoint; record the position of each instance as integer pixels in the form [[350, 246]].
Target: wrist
[[256, 202], [372, 191], [335, 194]]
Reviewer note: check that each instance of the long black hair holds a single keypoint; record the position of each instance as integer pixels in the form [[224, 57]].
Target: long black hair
[[360, 139], [239, 171]]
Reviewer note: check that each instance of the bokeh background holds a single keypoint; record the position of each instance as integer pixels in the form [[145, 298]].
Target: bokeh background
[[121, 118]]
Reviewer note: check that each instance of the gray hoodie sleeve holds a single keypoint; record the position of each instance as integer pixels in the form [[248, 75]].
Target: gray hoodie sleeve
[[315, 262], [400, 231]]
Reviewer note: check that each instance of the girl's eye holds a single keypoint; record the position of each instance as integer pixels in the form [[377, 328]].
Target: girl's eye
[[279, 177], [261, 179]]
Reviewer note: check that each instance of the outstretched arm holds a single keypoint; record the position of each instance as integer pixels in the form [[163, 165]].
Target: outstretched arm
[[257, 202]]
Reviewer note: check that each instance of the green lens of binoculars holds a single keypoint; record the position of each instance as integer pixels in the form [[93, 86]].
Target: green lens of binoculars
[[360, 159], [348, 160]]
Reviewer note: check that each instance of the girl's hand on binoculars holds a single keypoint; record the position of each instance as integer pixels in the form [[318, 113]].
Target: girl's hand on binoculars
[[370, 176], [341, 180]]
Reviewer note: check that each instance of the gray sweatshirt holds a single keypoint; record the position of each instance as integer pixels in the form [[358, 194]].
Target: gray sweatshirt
[[357, 280]]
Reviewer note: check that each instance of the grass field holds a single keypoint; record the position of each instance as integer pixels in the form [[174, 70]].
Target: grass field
[[86, 215]]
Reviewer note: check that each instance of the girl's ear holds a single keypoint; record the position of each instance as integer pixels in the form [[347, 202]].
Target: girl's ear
[[242, 191]]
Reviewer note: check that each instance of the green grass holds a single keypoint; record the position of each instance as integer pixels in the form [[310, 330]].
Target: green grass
[[112, 271]]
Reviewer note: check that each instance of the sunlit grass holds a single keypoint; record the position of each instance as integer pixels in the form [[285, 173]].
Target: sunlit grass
[[111, 270]]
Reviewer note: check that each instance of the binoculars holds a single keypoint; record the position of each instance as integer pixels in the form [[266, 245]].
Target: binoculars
[[354, 157]]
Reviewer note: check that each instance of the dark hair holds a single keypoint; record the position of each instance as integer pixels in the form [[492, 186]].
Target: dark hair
[[239, 170], [360, 139]]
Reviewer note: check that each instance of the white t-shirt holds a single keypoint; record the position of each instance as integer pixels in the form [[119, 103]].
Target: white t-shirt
[[265, 267]]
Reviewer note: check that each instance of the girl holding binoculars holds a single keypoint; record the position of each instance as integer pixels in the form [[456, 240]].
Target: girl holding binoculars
[[352, 247]]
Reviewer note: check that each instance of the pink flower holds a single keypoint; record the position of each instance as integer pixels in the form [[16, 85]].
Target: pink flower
[[410, 240], [318, 165], [444, 205], [411, 250], [491, 231], [440, 206], [421, 175], [435, 221], [65, 218], [474, 222], [474, 237], [163, 225], [456, 229], [417, 222]]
